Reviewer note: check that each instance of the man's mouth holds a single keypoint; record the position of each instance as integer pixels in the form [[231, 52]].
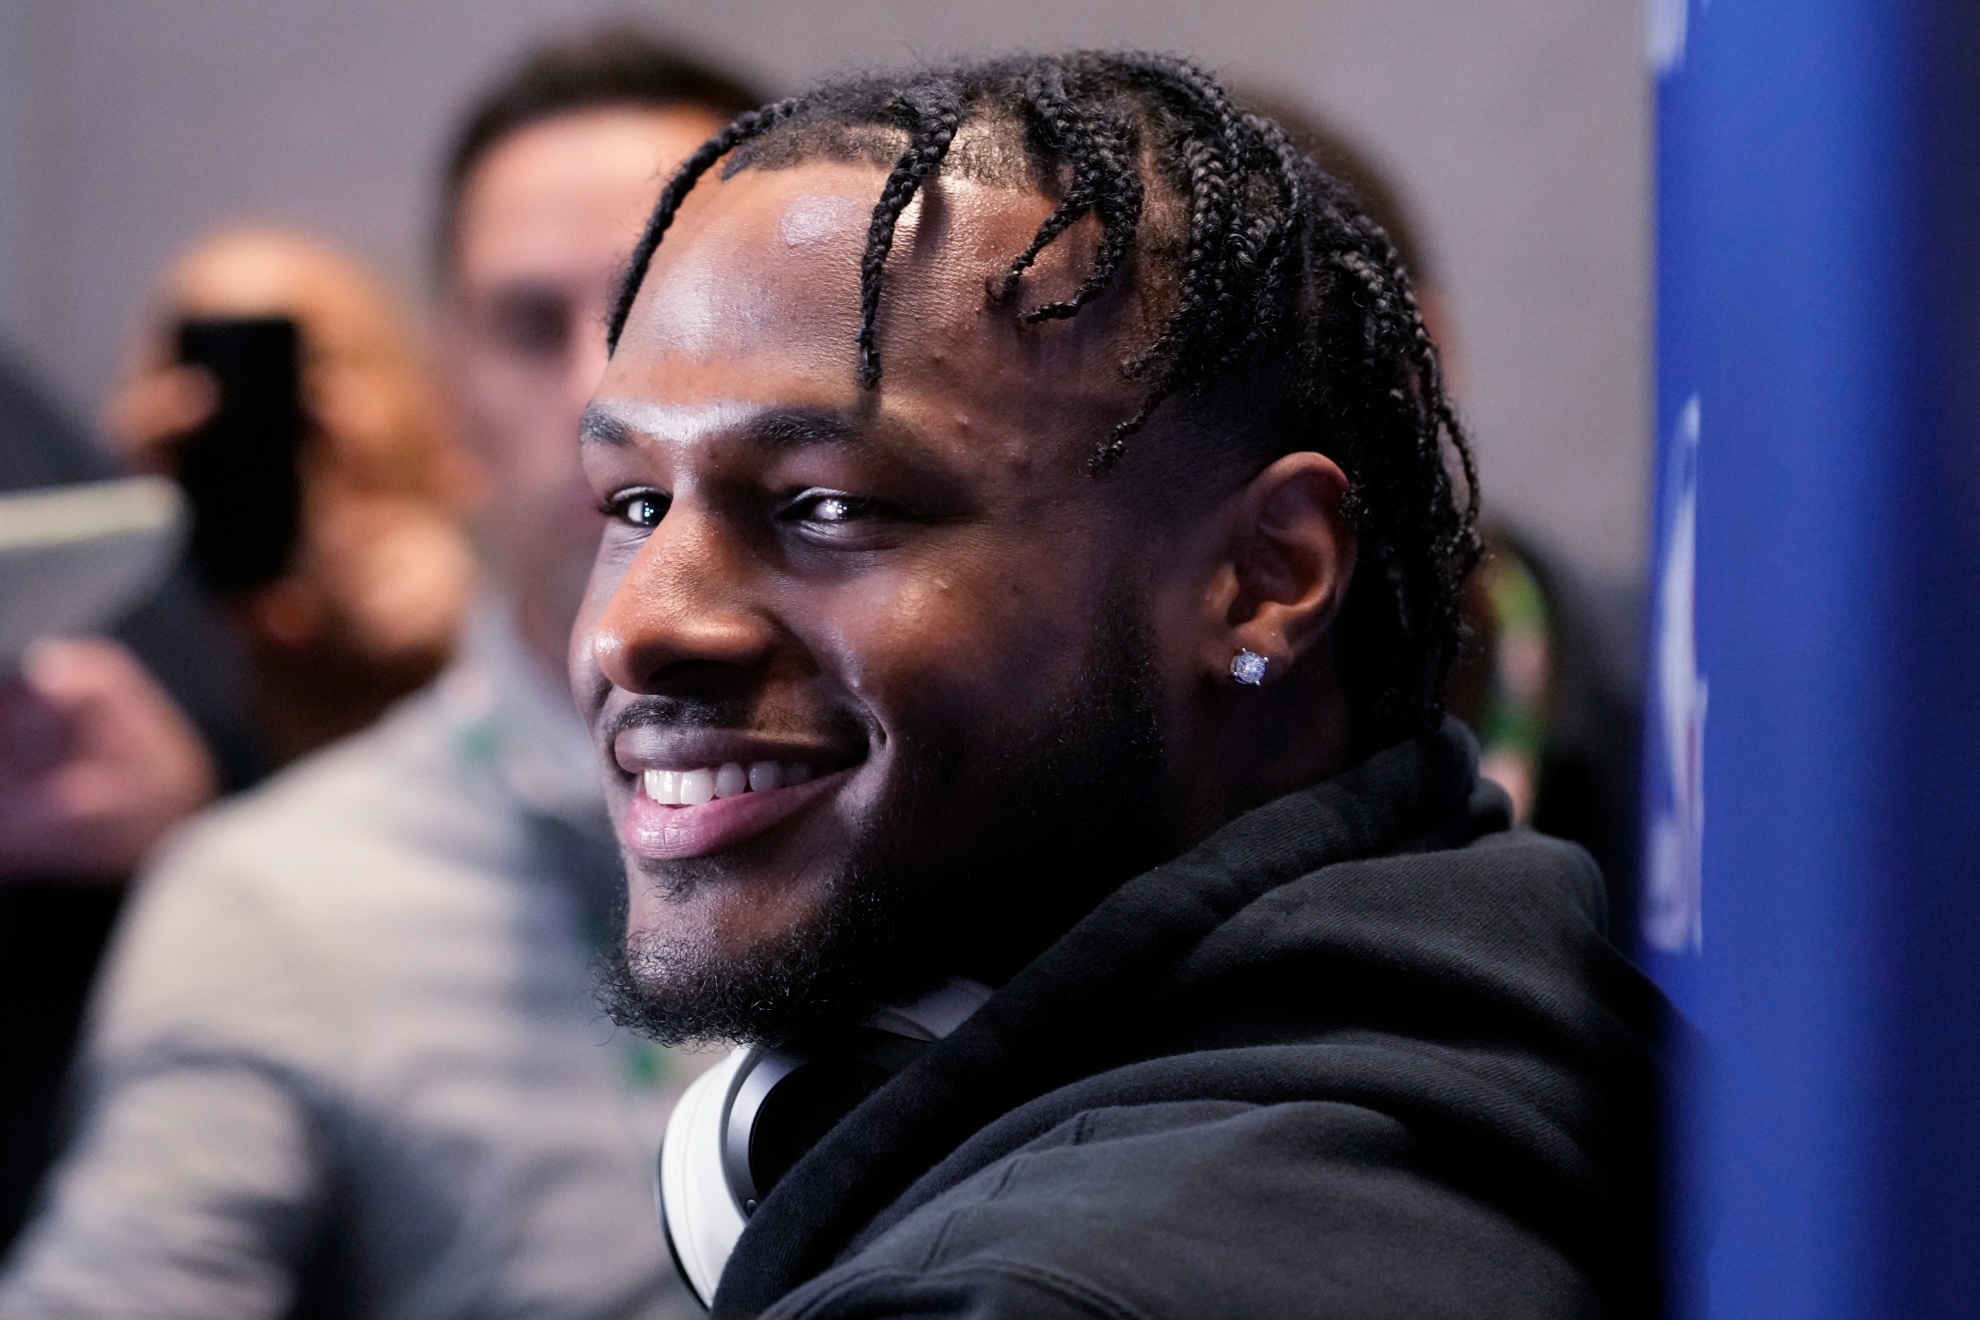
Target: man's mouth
[[698, 790], [694, 788], [705, 819]]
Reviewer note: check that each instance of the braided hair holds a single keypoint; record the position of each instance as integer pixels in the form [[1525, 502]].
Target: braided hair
[[1271, 273]]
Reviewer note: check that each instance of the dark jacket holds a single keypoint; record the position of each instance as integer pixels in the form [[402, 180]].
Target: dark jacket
[[1364, 1052]]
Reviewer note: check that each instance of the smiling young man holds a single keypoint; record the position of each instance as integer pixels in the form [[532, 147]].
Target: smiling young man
[[1032, 565]]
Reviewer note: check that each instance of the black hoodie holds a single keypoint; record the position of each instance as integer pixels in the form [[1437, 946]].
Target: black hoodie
[[1364, 1052]]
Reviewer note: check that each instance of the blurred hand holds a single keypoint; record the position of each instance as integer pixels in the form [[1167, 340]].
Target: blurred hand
[[405, 572], [96, 763], [155, 409], [388, 578]]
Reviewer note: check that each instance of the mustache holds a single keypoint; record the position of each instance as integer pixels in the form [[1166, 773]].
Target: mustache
[[703, 712], [679, 712]]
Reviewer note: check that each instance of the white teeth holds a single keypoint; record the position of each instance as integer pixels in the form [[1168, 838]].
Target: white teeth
[[697, 787], [692, 788]]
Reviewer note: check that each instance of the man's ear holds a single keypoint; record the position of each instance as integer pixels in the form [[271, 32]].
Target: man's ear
[[1287, 561]]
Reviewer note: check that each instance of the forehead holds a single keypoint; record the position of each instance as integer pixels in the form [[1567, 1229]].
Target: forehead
[[574, 188], [342, 308], [754, 299]]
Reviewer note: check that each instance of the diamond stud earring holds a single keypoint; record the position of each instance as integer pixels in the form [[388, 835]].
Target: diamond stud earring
[[1248, 668]]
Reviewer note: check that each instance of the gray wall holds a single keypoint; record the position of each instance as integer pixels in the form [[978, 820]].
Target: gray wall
[[1519, 127]]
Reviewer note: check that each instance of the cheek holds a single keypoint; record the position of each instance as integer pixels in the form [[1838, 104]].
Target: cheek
[[517, 406], [532, 452], [588, 681], [967, 649], [497, 392]]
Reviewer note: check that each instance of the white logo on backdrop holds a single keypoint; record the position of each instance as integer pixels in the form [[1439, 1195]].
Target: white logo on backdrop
[[1672, 917], [1666, 33]]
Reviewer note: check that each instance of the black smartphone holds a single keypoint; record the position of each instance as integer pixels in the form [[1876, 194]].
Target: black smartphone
[[240, 470]]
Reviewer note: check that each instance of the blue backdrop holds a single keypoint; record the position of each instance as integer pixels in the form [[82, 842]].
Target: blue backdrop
[[1813, 891]]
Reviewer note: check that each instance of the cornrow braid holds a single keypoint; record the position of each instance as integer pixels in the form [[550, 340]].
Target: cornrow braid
[[1055, 119], [1271, 274], [931, 120], [1115, 196], [1198, 342], [1100, 151], [745, 126]]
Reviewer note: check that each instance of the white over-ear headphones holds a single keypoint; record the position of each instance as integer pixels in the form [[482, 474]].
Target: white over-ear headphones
[[745, 1121]]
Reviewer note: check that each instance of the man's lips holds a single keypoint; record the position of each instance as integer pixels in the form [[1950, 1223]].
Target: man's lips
[[661, 832], [699, 790]]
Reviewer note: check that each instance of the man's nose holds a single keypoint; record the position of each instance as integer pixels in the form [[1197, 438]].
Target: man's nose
[[584, 362], [684, 615]]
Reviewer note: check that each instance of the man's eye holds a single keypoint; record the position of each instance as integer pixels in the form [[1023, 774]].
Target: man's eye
[[533, 323], [829, 506], [642, 510]]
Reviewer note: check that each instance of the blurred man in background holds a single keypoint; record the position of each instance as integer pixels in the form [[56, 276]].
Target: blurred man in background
[[346, 1059]]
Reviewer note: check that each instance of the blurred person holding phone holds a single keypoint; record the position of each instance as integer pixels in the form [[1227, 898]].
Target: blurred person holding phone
[[285, 391], [97, 762], [346, 1058], [327, 577]]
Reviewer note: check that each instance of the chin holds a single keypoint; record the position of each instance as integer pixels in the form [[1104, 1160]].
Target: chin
[[714, 953], [727, 910]]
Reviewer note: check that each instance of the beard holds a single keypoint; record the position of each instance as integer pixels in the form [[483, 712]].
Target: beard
[[1081, 809]]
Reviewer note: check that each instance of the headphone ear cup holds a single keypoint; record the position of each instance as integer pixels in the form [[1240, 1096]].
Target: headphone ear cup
[[785, 1100], [698, 1211], [741, 1125]]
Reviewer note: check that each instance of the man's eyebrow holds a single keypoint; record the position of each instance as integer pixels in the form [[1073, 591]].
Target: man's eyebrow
[[598, 427], [620, 423], [798, 428]]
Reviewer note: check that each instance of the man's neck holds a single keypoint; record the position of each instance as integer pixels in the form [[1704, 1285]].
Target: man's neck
[[1263, 744]]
